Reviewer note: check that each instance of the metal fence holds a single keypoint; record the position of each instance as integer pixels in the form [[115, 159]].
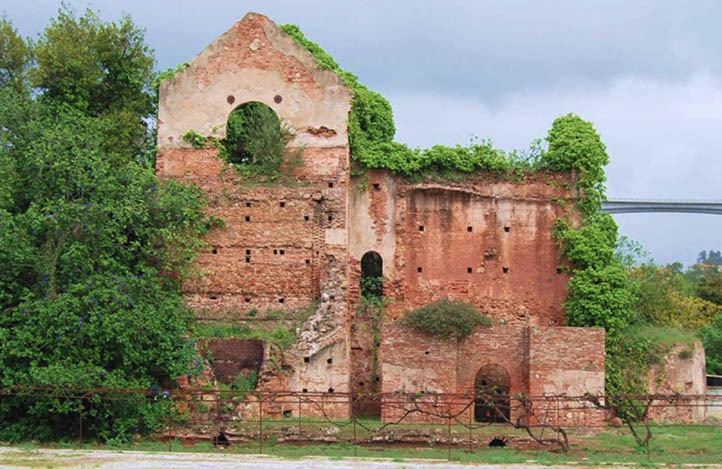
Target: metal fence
[[461, 421]]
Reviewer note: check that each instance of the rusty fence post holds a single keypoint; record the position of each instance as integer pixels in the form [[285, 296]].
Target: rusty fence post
[[353, 416], [471, 425], [80, 423], [448, 456], [260, 424], [170, 423]]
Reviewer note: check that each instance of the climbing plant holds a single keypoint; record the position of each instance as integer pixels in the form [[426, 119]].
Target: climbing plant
[[371, 132]]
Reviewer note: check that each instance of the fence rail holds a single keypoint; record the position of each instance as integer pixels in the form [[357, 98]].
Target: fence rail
[[466, 420]]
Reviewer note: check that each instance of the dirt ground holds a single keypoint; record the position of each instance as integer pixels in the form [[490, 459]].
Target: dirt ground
[[64, 458]]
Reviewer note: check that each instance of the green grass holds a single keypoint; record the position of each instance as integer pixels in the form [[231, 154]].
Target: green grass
[[671, 444], [280, 335], [664, 335]]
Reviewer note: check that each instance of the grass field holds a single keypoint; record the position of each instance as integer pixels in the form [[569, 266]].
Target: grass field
[[671, 444]]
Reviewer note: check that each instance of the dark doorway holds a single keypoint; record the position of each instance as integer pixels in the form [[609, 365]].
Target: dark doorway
[[372, 271], [491, 387]]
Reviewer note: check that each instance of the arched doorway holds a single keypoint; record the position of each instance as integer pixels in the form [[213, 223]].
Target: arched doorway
[[254, 135], [491, 388], [372, 271]]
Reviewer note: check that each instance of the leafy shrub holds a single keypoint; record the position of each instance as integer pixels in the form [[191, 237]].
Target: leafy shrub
[[446, 318], [629, 359], [712, 340], [244, 382], [574, 145]]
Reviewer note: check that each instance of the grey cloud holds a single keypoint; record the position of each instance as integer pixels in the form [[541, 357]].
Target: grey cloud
[[647, 73]]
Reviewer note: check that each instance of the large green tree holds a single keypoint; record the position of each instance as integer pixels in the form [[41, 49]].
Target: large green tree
[[100, 69], [92, 244]]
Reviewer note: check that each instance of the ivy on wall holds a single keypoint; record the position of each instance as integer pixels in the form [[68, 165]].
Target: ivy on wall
[[600, 293], [371, 132]]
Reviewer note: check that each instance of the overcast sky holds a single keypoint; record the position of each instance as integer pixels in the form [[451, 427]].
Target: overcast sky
[[648, 74]]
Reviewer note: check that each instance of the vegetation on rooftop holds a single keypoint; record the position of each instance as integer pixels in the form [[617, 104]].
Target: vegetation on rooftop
[[446, 319]]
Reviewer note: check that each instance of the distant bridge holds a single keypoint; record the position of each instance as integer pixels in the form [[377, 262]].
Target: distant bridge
[[712, 207]]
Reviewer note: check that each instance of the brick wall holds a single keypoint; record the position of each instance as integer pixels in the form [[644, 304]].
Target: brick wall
[[281, 247], [538, 361], [569, 361]]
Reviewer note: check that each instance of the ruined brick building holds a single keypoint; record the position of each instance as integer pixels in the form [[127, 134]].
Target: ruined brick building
[[303, 248]]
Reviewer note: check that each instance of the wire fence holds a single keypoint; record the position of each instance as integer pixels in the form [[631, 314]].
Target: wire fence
[[455, 421]]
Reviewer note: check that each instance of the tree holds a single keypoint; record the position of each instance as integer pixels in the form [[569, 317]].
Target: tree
[[100, 69], [712, 339], [710, 287], [91, 244], [15, 57]]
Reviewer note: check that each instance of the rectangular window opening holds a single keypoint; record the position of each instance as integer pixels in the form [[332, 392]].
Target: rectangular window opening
[[505, 269]]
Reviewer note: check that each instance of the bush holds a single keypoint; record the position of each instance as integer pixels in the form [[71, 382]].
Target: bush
[[244, 382], [712, 339], [446, 318]]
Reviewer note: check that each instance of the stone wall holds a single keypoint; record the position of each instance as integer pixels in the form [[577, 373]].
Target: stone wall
[[681, 373]]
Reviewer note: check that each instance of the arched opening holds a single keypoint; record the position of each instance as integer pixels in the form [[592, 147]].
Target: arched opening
[[372, 271], [254, 135], [491, 388]]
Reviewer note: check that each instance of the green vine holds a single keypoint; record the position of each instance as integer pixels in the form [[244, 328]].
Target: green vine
[[371, 132], [600, 293]]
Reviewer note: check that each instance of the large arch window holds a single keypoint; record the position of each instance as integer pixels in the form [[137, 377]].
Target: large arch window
[[254, 135]]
